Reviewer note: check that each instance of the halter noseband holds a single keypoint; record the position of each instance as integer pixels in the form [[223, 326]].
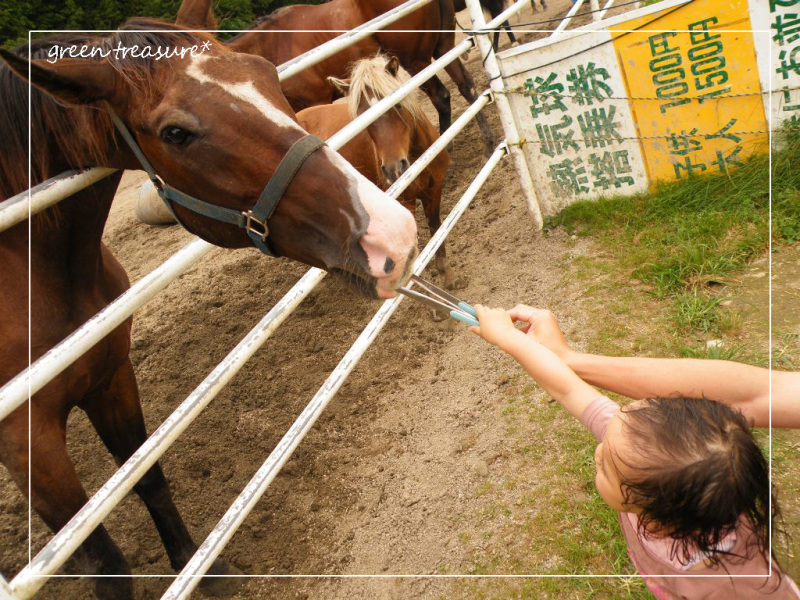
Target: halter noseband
[[256, 220]]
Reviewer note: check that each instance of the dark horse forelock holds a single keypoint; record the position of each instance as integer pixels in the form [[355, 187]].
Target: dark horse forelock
[[79, 133], [49, 124]]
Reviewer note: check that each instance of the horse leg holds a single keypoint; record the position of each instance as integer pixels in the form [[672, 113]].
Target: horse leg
[[431, 203], [466, 87], [440, 98], [117, 416], [510, 32], [57, 494]]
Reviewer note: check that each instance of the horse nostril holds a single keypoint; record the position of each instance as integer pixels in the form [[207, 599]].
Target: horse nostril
[[403, 166], [388, 266]]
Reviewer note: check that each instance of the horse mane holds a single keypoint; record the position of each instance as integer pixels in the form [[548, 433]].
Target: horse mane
[[50, 123], [272, 15], [254, 27], [370, 80], [62, 136], [280, 11]]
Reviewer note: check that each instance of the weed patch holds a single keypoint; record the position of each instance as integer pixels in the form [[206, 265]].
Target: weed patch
[[687, 238]]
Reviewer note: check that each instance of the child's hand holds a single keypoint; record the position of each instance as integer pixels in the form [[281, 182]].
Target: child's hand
[[496, 325], [543, 327]]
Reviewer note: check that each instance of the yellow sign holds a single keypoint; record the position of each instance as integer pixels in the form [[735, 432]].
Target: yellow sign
[[692, 79]]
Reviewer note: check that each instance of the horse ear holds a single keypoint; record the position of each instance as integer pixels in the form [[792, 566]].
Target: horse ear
[[196, 14], [342, 85], [393, 66], [72, 80]]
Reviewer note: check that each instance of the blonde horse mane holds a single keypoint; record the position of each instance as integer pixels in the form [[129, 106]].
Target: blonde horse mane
[[370, 80]]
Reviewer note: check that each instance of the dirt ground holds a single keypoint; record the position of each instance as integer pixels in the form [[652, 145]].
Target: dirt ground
[[385, 480]]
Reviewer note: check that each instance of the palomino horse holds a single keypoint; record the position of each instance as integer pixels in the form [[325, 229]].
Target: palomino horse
[[213, 124], [428, 32], [495, 7], [385, 149]]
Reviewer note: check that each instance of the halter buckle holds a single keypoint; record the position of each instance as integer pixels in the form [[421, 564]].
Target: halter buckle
[[261, 228]]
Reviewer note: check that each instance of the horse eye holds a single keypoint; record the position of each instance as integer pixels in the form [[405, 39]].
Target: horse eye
[[176, 136]]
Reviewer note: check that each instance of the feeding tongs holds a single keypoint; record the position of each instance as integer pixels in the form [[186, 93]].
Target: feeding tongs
[[437, 298]]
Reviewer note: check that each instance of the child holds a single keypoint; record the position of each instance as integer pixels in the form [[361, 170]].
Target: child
[[752, 390], [688, 479]]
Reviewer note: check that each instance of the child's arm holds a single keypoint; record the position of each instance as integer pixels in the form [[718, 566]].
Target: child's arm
[[742, 386], [496, 327]]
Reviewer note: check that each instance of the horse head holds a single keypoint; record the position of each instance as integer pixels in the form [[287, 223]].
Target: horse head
[[215, 125], [371, 80]]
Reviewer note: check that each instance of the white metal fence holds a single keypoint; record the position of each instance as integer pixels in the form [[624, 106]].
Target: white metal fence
[[14, 393]]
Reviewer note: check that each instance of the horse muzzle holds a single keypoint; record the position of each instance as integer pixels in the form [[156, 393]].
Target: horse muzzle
[[381, 288], [389, 244], [393, 171]]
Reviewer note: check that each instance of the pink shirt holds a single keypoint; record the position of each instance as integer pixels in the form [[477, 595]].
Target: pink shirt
[[653, 560]]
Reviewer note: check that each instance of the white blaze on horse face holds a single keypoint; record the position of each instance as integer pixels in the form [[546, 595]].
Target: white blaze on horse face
[[391, 237], [245, 92]]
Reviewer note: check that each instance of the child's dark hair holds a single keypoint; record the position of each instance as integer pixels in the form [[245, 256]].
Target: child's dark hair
[[700, 472]]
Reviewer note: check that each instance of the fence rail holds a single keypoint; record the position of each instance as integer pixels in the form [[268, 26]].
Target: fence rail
[[16, 209], [210, 549], [315, 55], [5, 590]]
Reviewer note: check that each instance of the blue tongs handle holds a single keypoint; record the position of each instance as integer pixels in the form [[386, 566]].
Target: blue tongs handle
[[440, 299], [458, 316], [467, 308]]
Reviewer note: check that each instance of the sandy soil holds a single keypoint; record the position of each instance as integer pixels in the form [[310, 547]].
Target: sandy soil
[[382, 478]]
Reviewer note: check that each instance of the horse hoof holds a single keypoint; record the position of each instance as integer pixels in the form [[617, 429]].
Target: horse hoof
[[150, 208], [438, 315], [221, 586], [459, 283]]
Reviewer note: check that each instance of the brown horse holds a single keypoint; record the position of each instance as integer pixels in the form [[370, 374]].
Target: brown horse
[[384, 150], [416, 39], [214, 125]]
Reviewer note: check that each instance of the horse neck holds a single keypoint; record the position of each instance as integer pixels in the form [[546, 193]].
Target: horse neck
[[65, 238], [60, 138], [369, 9], [336, 14], [252, 42]]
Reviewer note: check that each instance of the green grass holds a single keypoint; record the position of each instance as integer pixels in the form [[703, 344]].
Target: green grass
[[562, 527], [686, 239], [651, 286]]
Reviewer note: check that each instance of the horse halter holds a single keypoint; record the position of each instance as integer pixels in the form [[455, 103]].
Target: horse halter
[[256, 220]]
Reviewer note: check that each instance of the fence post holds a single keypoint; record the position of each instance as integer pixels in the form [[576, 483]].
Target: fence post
[[504, 109], [595, 7]]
